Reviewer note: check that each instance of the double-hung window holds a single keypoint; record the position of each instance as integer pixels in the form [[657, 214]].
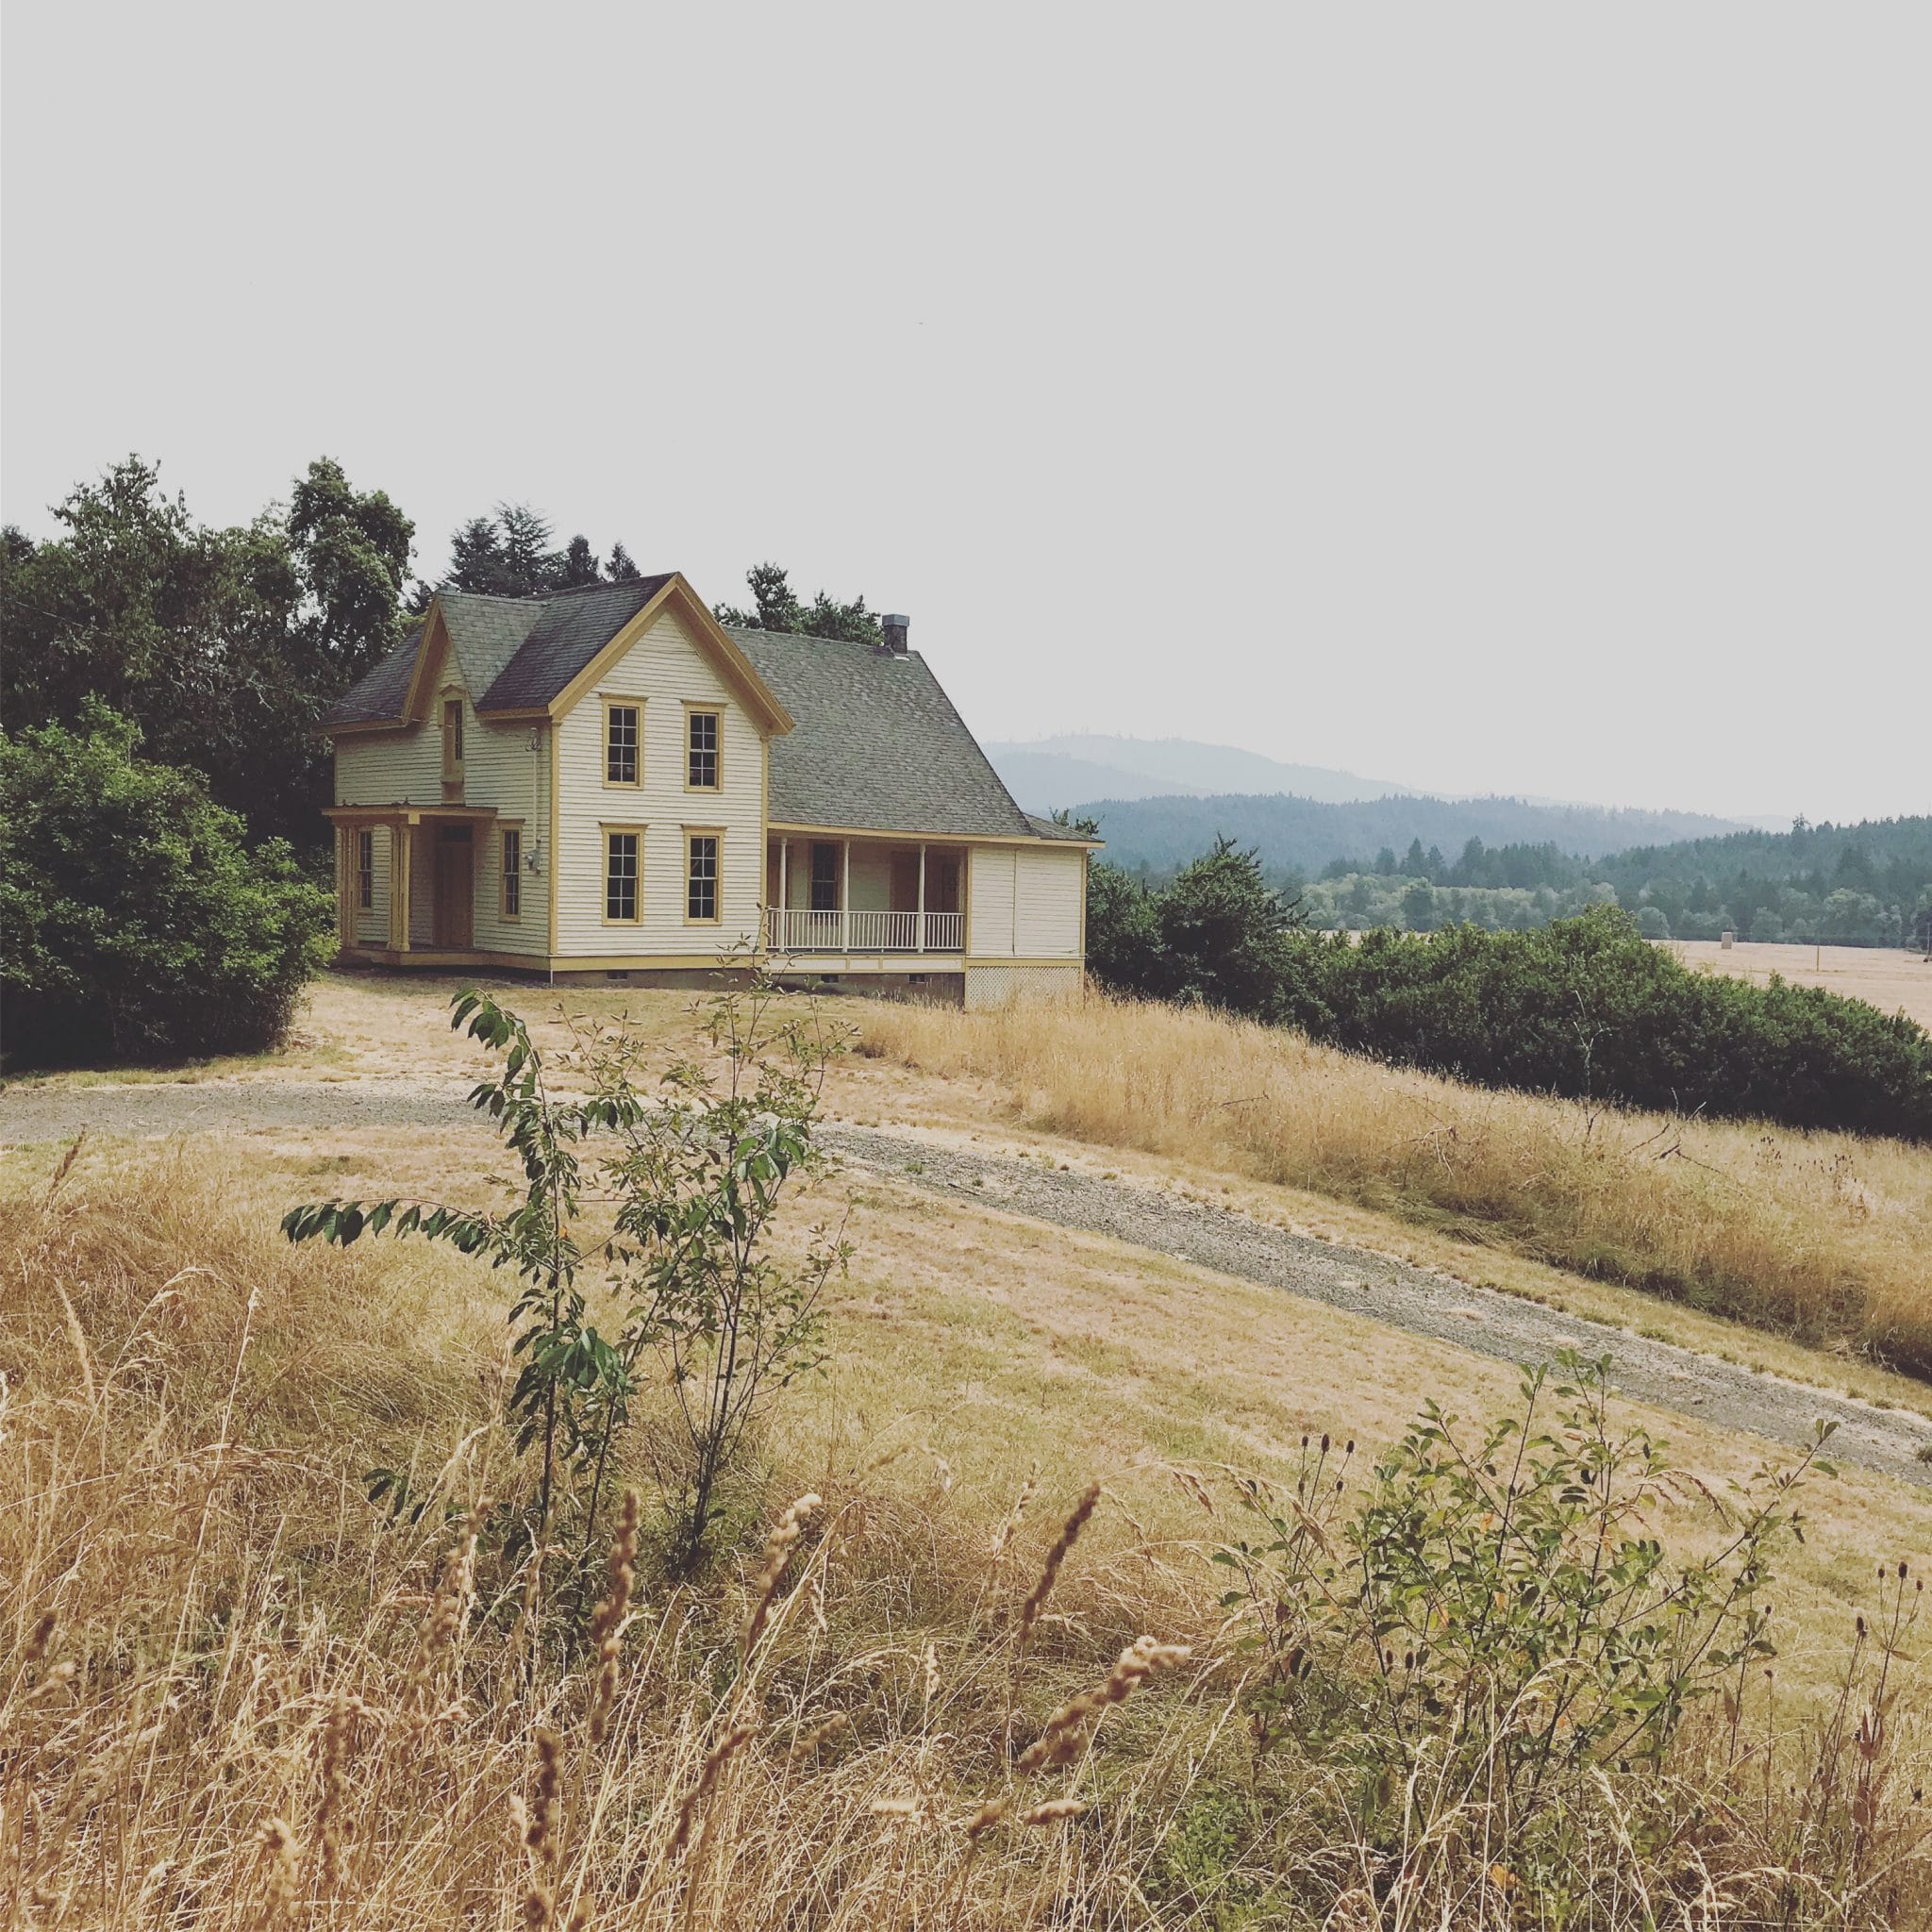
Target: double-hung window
[[701, 878], [623, 880], [512, 875], [365, 870], [701, 751], [622, 743]]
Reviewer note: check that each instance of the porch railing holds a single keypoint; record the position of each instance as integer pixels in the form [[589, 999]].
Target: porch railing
[[793, 930]]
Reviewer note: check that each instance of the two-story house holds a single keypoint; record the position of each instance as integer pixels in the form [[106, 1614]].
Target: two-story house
[[607, 782]]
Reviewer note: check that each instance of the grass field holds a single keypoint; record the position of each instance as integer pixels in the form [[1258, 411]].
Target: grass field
[[1894, 981], [278, 1706]]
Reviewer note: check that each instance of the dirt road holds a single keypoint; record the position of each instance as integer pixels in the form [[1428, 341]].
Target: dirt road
[[1722, 1394]]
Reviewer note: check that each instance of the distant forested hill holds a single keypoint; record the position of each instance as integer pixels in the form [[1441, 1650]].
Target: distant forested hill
[[1866, 884], [1300, 836]]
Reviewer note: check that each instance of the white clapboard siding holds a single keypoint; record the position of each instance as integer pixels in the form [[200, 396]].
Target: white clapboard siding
[[501, 768], [990, 897], [1046, 904], [664, 669], [391, 767]]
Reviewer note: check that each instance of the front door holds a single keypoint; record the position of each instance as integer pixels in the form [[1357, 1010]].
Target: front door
[[456, 897]]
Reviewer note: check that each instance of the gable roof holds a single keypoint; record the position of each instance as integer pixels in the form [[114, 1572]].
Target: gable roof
[[564, 633], [525, 654], [379, 696], [878, 746]]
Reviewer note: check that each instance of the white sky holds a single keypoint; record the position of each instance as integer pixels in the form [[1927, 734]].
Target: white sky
[[1512, 397]]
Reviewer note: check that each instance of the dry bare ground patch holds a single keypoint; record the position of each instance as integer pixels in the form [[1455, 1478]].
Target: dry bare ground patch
[[1816, 1236]]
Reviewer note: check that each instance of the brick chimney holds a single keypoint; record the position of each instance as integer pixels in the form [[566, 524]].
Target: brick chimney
[[895, 626]]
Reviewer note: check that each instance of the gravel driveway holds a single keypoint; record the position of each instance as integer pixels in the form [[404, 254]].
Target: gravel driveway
[[1721, 1394]]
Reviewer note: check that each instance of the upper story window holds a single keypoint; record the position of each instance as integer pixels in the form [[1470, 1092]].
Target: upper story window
[[365, 870], [622, 743], [512, 875], [452, 741], [701, 751]]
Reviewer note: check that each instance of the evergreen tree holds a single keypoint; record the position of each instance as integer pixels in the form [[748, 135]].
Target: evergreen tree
[[579, 565]]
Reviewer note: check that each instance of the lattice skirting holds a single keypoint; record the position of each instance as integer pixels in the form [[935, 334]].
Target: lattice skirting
[[1001, 986]]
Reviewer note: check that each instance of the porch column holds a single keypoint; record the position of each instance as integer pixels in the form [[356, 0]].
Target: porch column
[[784, 892], [401, 845], [921, 898], [845, 903]]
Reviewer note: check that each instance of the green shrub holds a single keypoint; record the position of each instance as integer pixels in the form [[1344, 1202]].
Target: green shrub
[[1585, 1007], [137, 924]]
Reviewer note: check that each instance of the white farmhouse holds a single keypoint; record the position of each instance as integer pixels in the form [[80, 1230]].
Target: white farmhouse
[[608, 783]]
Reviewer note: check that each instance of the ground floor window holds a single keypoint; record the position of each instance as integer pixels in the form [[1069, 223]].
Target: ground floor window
[[701, 887], [824, 878], [512, 875], [365, 870], [621, 877]]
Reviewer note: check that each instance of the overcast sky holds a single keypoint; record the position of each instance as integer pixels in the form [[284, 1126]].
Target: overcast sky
[[1520, 398]]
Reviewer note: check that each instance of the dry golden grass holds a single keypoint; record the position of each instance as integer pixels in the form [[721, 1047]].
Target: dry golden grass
[[232, 1693], [258, 1702], [1819, 1236]]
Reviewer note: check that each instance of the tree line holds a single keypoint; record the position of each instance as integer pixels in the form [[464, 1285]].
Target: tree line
[[1863, 884]]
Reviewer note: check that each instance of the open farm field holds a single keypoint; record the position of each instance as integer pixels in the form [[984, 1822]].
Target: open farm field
[[1891, 980]]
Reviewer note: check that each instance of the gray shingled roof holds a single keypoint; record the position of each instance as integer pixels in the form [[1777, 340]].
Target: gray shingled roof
[[569, 629], [876, 745], [486, 632], [377, 696], [1050, 828]]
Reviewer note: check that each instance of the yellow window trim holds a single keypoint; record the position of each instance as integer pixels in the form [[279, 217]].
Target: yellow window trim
[[621, 704], [716, 832], [605, 834], [694, 708]]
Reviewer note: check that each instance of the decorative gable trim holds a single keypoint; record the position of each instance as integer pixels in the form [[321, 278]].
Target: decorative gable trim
[[772, 719]]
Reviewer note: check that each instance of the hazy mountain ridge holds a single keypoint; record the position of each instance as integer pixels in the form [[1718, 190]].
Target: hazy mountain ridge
[[1304, 834], [1072, 767]]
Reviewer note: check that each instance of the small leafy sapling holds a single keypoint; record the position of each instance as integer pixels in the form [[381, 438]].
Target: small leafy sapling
[[685, 1187], [701, 1175], [571, 1380]]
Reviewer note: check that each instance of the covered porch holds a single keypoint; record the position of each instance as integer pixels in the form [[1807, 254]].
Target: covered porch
[[414, 900], [870, 897]]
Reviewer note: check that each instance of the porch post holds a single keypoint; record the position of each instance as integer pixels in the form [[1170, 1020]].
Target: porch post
[[784, 892], [845, 903], [921, 898], [401, 845]]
